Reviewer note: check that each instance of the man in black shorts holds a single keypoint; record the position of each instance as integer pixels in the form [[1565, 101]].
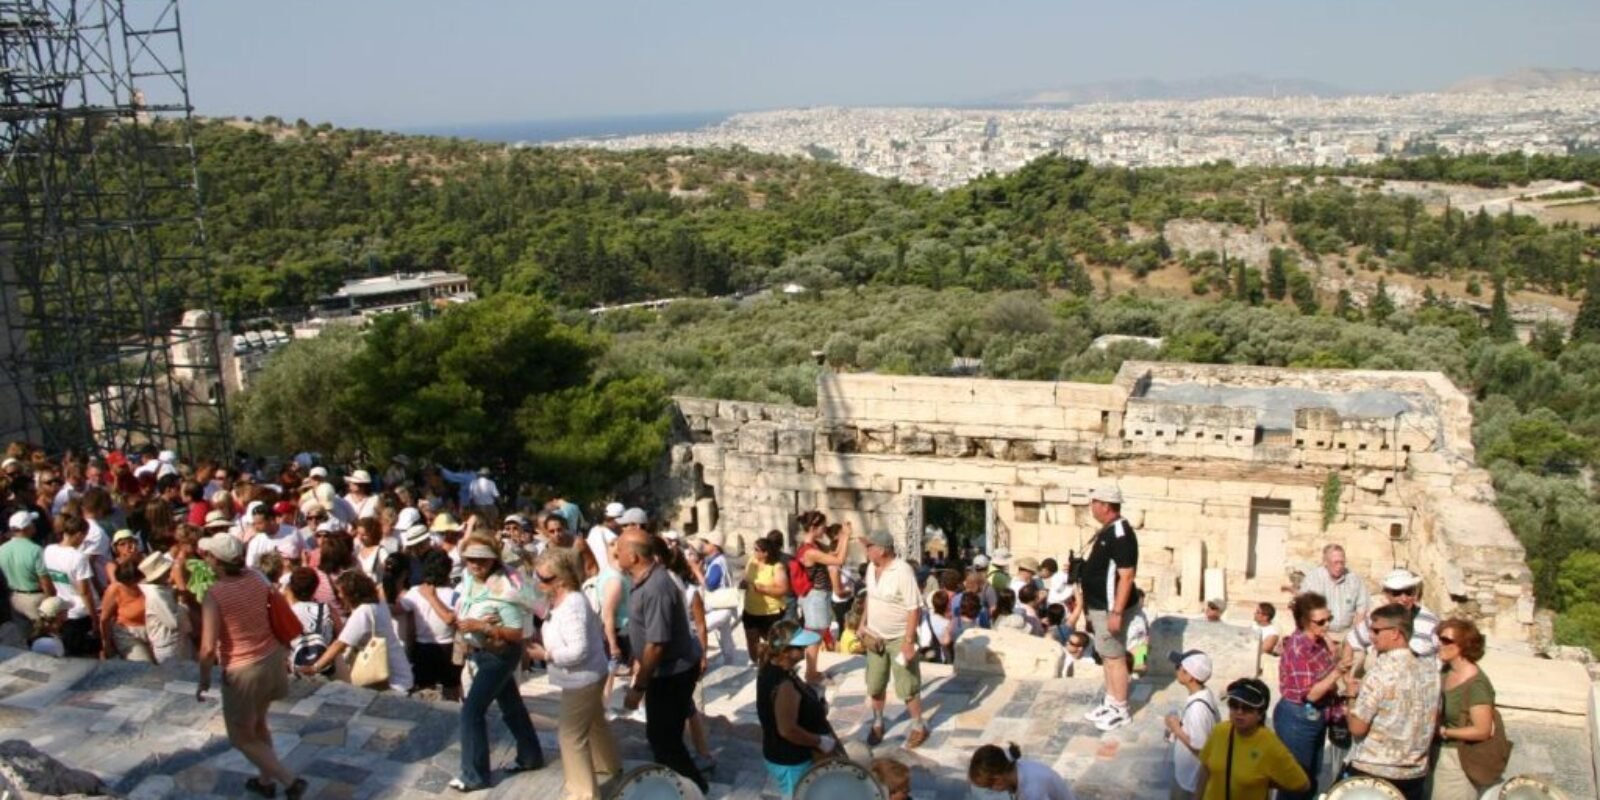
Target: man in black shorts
[[1111, 601]]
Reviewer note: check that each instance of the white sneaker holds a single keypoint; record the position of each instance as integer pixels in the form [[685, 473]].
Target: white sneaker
[[1098, 713], [1115, 719]]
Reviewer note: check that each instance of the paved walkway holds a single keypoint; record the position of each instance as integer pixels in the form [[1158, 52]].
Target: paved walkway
[[142, 731]]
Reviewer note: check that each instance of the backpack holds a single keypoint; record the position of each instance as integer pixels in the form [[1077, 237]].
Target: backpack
[[309, 645], [799, 580]]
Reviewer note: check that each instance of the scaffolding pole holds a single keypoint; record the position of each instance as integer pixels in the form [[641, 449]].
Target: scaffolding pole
[[110, 338]]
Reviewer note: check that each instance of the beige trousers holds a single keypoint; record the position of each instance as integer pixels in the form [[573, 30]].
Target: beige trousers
[[587, 747], [1450, 780]]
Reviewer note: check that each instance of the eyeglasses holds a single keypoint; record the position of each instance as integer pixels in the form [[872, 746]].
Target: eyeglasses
[[1321, 621], [543, 578], [1400, 592], [1446, 640], [1377, 630]]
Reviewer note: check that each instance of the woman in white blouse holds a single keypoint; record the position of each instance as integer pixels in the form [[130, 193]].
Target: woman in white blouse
[[574, 647]]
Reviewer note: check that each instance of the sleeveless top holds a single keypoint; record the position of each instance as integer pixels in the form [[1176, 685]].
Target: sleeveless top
[[756, 603], [818, 573], [813, 716], [246, 633]]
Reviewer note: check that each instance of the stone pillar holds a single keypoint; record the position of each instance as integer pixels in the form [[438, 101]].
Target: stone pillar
[[1192, 575], [1216, 585], [705, 514]]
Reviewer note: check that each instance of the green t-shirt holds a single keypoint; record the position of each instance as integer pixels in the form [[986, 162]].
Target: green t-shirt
[[22, 561], [1458, 702]]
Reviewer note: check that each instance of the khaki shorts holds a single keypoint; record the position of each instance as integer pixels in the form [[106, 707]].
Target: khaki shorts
[[907, 679], [1107, 644], [247, 693]]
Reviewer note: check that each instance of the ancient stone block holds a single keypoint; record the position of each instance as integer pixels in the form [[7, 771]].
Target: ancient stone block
[[758, 439], [1073, 453], [950, 445], [1235, 650], [914, 442], [1010, 653], [795, 442]]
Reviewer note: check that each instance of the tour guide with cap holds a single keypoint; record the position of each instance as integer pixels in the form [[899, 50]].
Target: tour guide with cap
[[888, 631], [1111, 600]]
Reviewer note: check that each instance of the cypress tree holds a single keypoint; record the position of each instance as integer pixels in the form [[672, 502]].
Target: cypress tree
[[1586, 326], [1500, 327]]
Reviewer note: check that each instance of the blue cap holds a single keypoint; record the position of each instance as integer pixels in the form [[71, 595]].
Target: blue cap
[[803, 638]]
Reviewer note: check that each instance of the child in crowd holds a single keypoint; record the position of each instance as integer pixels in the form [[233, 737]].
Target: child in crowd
[[895, 777], [1265, 613], [1005, 773]]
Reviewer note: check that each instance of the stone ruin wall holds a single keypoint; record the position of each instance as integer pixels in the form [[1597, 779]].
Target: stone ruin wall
[[874, 445]]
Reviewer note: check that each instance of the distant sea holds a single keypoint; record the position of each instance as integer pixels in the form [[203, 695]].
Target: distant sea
[[556, 130]]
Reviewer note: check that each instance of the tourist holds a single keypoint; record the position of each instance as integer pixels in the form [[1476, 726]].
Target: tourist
[[608, 592], [1242, 759], [122, 616], [571, 515], [706, 559], [70, 573], [1080, 650], [22, 565], [667, 655], [1006, 617], [765, 594], [124, 550], [1111, 601], [369, 552], [980, 590], [888, 632], [1055, 623], [167, 623], [360, 497], [794, 719], [1027, 608], [1057, 583], [1189, 729], [1468, 713], [1027, 570], [236, 632], [1214, 608], [969, 614], [266, 533], [894, 776], [368, 618], [671, 556], [997, 772], [490, 614], [574, 647], [944, 627], [850, 640], [821, 565], [602, 535], [1396, 714], [996, 574], [1345, 591], [1308, 682], [316, 619], [1265, 614], [96, 509], [431, 605], [1403, 588]]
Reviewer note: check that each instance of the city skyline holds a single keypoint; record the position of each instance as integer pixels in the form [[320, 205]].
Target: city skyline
[[413, 64]]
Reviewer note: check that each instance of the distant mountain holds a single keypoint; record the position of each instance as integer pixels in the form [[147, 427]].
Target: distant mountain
[[1187, 89], [1529, 79]]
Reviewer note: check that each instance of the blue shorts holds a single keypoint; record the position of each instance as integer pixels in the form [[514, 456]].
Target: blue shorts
[[785, 776]]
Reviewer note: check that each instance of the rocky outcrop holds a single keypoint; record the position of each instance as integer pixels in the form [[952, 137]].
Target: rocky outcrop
[[27, 773]]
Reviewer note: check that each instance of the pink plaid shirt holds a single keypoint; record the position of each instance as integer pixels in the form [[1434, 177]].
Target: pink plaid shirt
[[1306, 659]]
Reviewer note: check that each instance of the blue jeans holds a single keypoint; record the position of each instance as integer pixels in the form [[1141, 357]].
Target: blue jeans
[[1302, 728], [495, 682]]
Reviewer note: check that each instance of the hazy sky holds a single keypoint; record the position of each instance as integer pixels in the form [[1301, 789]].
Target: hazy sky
[[409, 62]]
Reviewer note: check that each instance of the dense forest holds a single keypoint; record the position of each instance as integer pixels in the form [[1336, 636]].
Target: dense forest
[[1019, 271], [294, 211]]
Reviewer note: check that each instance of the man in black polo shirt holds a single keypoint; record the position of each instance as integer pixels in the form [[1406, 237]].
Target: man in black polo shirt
[[667, 654], [1111, 601]]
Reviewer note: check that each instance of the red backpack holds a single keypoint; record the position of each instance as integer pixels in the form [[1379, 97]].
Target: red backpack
[[799, 579]]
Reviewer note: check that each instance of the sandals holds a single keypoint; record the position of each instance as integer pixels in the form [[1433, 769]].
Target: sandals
[[296, 790], [256, 787]]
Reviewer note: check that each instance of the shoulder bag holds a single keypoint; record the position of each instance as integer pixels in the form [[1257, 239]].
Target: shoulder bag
[[371, 665], [1485, 761]]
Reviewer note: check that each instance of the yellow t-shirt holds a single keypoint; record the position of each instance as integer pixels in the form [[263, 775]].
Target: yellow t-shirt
[[756, 603], [849, 642], [1260, 761]]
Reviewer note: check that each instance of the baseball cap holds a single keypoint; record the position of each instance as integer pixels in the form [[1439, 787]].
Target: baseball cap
[[519, 521], [9, 463], [1195, 662], [318, 472], [1109, 493], [980, 561], [614, 510], [633, 516], [1400, 580], [672, 535], [1216, 603], [1250, 693], [1001, 557], [51, 606], [407, 517], [123, 536], [802, 638], [225, 546], [712, 537], [880, 538], [23, 519]]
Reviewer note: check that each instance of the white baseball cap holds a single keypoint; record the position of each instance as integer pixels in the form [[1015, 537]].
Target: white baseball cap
[[318, 472], [1194, 662], [23, 520], [614, 510], [633, 516], [980, 561], [1108, 493]]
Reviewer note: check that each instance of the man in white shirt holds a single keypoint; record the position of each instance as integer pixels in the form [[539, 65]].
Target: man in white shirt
[[889, 628], [1058, 584], [1344, 590], [1189, 729], [601, 536]]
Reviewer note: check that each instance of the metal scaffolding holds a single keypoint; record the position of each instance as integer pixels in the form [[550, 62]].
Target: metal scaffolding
[[109, 338]]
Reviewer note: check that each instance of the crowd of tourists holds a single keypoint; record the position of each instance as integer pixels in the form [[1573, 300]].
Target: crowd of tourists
[[411, 580]]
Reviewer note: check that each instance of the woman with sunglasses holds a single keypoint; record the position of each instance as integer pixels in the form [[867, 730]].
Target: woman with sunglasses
[[1308, 677], [575, 648], [1468, 712], [794, 719], [1242, 759]]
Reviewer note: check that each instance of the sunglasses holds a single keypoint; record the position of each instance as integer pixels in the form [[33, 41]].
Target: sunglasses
[[1400, 592], [1446, 640], [543, 578], [1377, 630], [1321, 621]]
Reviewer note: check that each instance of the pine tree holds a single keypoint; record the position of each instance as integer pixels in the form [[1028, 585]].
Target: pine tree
[[1381, 306], [1241, 285], [1304, 294], [1500, 327], [1345, 308], [1586, 326], [1277, 274]]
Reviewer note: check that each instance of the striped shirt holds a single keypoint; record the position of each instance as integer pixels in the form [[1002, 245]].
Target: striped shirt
[[246, 634], [1424, 633]]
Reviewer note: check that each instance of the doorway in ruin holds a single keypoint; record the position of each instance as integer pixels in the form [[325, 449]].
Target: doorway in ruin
[[967, 523], [1269, 538]]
